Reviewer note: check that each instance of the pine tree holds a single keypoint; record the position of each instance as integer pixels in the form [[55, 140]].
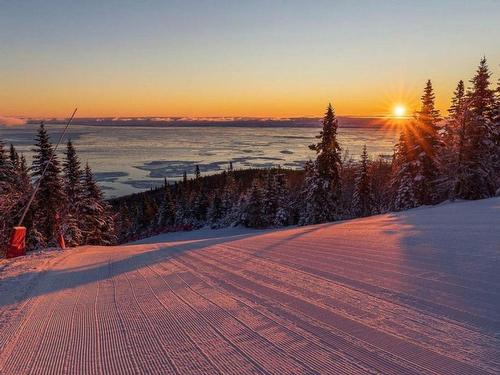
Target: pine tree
[[197, 173], [402, 181], [496, 137], [253, 210], [449, 129], [166, 213], [283, 215], [362, 197], [14, 157], [216, 211], [323, 185], [23, 175], [199, 208], [8, 196], [477, 174], [98, 222], [50, 201], [270, 200], [230, 202], [425, 149], [74, 192]]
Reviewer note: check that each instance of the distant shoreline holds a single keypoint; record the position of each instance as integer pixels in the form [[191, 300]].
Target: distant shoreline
[[344, 122]]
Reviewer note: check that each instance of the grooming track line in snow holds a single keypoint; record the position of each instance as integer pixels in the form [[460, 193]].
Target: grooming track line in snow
[[408, 293]]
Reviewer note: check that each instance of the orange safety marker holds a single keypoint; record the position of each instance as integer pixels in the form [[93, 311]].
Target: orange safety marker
[[17, 243]]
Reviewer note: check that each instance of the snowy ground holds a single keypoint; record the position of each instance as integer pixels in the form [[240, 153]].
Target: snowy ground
[[410, 293]]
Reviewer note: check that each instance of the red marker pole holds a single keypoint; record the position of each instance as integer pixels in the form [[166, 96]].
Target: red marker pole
[[17, 243]]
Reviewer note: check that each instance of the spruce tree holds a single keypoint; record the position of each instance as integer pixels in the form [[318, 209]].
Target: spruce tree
[[253, 212], [477, 175], [402, 181], [323, 185], [454, 143], [97, 220], [496, 137], [166, 213], [8, 196], [50, 201], [425, 149], [283, 215], [270, 200], [230, 201], [74, 192], [216, 211], [14, 157], [362, 201]]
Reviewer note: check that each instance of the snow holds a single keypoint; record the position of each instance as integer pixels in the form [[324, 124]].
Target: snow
[[416, 292]]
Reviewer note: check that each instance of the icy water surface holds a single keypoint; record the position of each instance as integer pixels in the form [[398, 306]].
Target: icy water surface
[[129, 159]]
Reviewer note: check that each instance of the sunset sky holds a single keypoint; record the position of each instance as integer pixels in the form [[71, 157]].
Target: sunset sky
[[237, 58]]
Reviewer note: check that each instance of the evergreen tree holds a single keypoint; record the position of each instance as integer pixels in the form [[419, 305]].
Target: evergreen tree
[[362, 197], [8, 196], [323, 190], [477, 175], [98, 222], [253, 210], [216, 211], [457, 99], [74, 192], [199, 208], [283, 215], [270, 200], [402, 181], [23, 175], [425, 149], [197, 173], [381, 185], [230, 202], [14, 157], [496, 137], [166, 213], [50, 201]]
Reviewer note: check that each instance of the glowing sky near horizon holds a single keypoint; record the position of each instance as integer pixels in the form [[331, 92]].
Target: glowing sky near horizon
[[280, 58]]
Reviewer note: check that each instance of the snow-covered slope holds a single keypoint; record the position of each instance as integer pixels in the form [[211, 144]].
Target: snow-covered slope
[[410, 293]]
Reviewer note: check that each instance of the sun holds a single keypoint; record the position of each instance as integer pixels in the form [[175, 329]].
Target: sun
[[399, 110]]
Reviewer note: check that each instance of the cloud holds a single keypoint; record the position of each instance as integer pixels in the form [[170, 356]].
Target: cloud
[[11, 121]]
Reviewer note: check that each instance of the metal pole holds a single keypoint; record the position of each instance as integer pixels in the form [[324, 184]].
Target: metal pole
[[37, 185]]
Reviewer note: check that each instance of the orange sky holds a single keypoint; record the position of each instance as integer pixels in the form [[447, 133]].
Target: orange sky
[[254, 58]]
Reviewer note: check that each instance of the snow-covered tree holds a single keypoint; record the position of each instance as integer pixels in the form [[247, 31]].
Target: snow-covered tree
[[253, 211], [402, 181], [362, 201], [74, 192], [97, 220], [270, 200], [478, 149], [50, 200], [425, 149], [8, 195], [199, 208], [282, 216], [166, 213], [322, 185]]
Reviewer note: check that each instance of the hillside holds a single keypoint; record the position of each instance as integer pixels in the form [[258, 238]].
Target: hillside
[[416, 292]]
